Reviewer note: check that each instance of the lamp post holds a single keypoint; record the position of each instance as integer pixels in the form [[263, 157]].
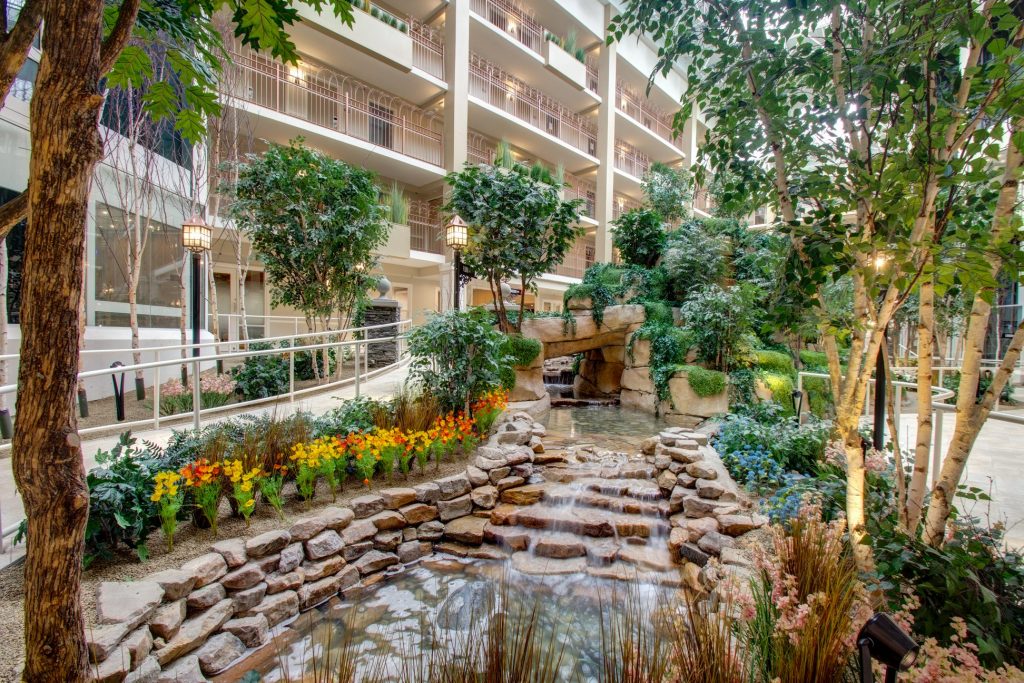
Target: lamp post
[[456, 236], [878, 432], [197, 238]]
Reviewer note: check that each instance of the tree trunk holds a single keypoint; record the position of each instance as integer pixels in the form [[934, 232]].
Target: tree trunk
[[522, 305], [47, 452], [922, 449], [3, 318]]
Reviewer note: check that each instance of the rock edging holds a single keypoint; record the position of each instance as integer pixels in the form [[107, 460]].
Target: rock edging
[[189, 623]]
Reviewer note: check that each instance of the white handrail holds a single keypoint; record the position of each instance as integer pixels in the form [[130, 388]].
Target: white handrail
[[235, 342], [939, 394]]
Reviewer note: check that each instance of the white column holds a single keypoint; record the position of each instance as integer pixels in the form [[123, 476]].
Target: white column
[[605, 147]]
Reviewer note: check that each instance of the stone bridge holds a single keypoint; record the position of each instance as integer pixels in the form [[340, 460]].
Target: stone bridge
[[607, 371]]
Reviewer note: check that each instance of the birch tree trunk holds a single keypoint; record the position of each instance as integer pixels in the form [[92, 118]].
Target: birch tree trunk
[[970, 413], [922, 448], [3, 318], [47, 454]]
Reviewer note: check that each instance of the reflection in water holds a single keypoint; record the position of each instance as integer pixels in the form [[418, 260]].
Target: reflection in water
[[439, 605], [611, 427]]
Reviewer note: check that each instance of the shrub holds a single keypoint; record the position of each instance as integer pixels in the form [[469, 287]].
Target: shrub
[[304, 363], [742, 387], [814, 361], [261, 376], [693, 259], [775, 361], [720, 321], [121, 511], [781, 387], [763, 428], [606, 284], [215, 391], [522, 350], [457, 356], [354, 415], [639, 237], [952, 382], [704, 382]]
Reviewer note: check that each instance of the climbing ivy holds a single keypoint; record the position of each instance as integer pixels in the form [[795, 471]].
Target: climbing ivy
[[669, 346], [606, 284]]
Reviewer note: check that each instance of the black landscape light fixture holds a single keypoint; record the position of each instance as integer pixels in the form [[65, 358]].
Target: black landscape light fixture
[[196, 237], [882, 639], [798, 402], [456, 237]]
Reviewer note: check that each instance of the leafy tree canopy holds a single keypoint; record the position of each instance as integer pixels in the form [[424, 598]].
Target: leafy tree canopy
[[519, 226], [315, 222]]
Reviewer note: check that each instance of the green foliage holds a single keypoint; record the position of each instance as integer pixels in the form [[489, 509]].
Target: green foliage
[[568, 43], [693, 259], [703, 381], [315, 222], [973, 577], [669, 346], [669, 191], [765, 429], [639, 236], [261, 376], [304, 361], [120, 510], [814, 361], [742, 387], [457, 356], [355, 415], [519, 227], [720, 320], [606, 285], [952, 382], [397, 205], [522, 350], [774, 361], [781, 386]]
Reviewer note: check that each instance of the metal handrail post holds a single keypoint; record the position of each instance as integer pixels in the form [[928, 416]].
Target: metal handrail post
[[156, 391], [196, 394], [291, 373], [936, 445], [357, 368]]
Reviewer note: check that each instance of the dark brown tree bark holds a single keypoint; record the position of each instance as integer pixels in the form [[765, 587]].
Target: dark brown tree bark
[[47, 453]]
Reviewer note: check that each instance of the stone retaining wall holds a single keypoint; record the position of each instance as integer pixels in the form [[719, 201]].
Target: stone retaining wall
[[188, 623], [707, 506]]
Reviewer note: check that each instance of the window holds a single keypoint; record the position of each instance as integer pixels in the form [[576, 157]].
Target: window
[[381, 126], [160, 277]]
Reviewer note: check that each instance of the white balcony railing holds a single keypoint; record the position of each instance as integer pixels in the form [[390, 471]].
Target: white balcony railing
[[425, 231], [427, 49], [508, 93], [513, 20], [631, 160], [639, 109], [339, 103], [580, 257]]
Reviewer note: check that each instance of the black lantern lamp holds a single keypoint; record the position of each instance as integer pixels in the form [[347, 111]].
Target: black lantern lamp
[[882, 638], [456, 237], [197, 238]]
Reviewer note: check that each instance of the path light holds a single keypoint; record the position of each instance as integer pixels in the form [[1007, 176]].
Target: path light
[[456, 237], [882, 639], [197, 238]]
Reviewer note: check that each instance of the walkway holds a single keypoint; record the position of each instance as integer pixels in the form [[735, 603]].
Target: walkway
[[12, 512], [994, 465]]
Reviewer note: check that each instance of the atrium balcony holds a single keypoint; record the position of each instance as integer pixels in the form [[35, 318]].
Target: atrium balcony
[[404, 56], [504, 33], [339, 114], [647, 128], [631, 165], [505, 107], [581, 256]]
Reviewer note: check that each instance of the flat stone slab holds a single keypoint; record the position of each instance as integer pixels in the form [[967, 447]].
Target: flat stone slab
[[528, 563], [127, 601]]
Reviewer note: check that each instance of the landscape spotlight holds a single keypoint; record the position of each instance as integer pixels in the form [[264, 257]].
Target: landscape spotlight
[[882, 638]]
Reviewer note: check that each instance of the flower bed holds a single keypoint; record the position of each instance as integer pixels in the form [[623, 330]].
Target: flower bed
[[195, 621]]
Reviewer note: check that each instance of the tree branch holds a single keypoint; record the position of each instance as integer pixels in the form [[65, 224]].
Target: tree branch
[[15, 45], [12, 212], [120, 34]]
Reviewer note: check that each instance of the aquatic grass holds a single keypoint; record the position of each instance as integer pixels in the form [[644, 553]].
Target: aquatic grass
[[633, 651], [704, 643]]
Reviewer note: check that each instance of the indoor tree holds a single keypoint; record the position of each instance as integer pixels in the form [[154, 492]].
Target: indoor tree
[[85, 48], [669, 191], [316, 223], [519, 226], [883, 131]]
